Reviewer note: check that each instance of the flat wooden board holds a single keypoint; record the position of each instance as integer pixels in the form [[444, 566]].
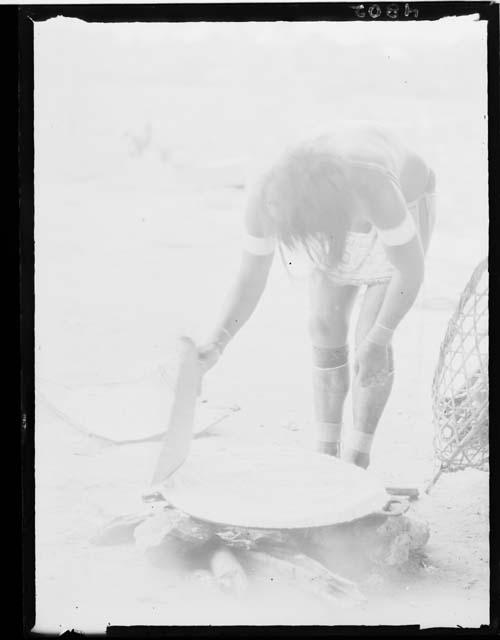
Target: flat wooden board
[[273, 488], [123, 411]]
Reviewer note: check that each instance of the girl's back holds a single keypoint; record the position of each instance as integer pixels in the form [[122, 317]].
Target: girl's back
[[371, 144]]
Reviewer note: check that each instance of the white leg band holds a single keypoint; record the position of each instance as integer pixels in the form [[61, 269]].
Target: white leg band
[[359, 441], [341, 366]]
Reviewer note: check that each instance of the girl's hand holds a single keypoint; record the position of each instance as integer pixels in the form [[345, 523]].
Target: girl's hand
[[208, 355], [371, 364]]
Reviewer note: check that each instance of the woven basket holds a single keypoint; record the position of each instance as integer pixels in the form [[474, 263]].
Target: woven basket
[[460, 387]]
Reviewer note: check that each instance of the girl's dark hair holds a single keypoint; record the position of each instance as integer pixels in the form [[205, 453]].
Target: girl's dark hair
[[308, 200]]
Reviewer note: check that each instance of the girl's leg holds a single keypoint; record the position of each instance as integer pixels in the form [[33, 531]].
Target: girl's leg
[[368, 402], [330, 311]]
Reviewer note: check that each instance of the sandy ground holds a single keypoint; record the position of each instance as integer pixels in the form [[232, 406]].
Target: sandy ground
[[133, 249]]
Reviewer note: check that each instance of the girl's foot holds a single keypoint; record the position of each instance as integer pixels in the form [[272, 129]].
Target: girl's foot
[[330, 448], [356, 457], [357, 447]]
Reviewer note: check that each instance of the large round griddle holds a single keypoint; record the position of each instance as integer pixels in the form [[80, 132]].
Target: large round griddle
[[273, 488]]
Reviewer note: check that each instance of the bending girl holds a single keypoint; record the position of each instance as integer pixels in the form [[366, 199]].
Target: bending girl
[[361, 204]]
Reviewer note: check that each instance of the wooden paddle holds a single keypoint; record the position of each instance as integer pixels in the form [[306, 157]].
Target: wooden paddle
[[177, 442]]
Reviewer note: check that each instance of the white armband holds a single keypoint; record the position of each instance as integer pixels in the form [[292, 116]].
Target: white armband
[[259, 246], [402, 234]]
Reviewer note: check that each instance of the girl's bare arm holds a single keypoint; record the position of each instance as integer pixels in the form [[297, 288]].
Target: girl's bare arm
[[396, 228], [249, 284], [243, 296]]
